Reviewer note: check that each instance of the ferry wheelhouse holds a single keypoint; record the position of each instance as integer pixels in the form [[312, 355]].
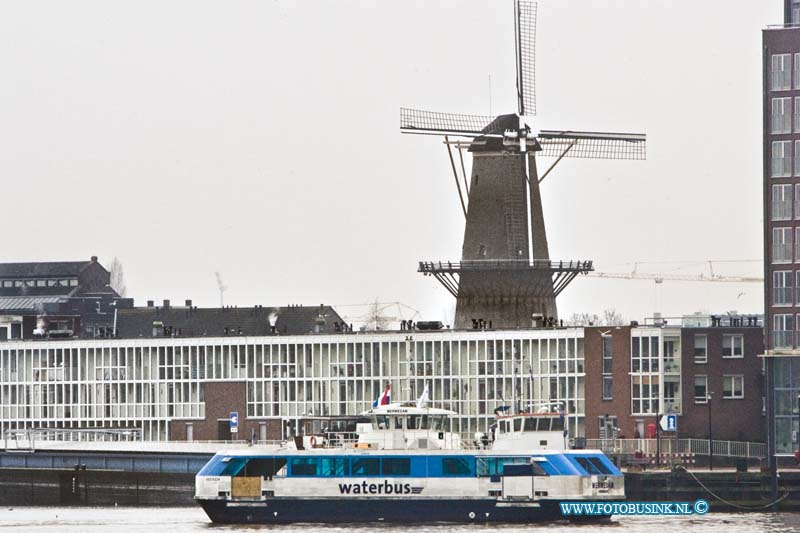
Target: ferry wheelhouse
[[406, 466]]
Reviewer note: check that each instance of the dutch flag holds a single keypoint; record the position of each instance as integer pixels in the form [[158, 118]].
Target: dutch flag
[[385, 398]]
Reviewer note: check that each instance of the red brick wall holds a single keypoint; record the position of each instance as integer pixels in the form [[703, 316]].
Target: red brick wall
[[620, 405], [731, 419], [222, 398]]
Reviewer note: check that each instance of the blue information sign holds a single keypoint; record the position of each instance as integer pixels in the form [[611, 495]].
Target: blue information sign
[[234, 422]]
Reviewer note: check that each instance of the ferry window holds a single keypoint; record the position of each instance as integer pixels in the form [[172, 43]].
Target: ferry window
[[456, 466], [366, 467], [265, 467], [557, 424], [593, 465], [493, 466], [306, 466], [333, 467], [598, 464], [517, 424], [530, 424], [400, 466], [382, 422], [224, 466], [418, 422]]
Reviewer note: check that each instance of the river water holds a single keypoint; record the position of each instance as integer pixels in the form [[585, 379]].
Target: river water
[[177, 520]]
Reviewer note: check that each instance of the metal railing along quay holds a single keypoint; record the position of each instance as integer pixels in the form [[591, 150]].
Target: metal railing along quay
[[721, 448]]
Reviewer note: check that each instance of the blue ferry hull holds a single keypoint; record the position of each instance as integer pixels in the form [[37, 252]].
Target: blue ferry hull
[[294, 510]]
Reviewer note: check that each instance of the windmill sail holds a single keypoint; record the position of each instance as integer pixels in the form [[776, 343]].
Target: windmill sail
[[435, 123], [525, 34], [593, 145]]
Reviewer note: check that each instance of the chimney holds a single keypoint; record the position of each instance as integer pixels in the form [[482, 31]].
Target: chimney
[[150, 303], [166, 304], [188, 303]]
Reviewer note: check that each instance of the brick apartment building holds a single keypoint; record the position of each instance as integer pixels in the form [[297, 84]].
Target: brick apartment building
[[707, 365], [781, 181]]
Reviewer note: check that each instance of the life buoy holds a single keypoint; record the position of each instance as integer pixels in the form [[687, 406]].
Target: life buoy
[[313, 441]]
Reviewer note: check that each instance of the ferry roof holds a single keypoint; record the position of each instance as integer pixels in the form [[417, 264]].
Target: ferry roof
[[321, 452], [404, 409]]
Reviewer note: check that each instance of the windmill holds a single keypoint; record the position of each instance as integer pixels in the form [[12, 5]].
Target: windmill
[[505, 274]]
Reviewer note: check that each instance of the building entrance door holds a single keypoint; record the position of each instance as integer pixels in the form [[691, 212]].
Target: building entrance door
[[224, 429]]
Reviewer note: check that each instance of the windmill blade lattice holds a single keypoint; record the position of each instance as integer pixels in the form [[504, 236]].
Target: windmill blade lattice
[[433, 122], [593, 145], [525, 26]]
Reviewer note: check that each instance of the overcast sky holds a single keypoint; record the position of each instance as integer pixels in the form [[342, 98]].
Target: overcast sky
[[260, 140]]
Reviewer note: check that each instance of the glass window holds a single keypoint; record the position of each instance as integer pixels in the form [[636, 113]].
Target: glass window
[[781, 159], [456, 466], [608, 388], [700, 348], [530, 423], [305, 466], [700, 389], [608, 380], [797, 287], [366, 467], [593, 466], [781, 73], [733, 345], [781, 115], [781, 202], [782, 331], [796, 101], [396, 466], [333, 467], [781, 290], [781, 245], [493, 466], [732, 387]]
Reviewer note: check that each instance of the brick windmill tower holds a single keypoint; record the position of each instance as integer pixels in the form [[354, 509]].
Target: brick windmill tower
[[505, 274]]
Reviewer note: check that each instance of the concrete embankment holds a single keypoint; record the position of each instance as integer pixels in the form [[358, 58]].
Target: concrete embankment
[[738, 489], [39, 486]]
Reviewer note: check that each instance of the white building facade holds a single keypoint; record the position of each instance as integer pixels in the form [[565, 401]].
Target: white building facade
[[151, 384]]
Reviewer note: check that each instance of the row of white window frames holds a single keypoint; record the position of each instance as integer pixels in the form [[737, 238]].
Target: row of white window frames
[[782, 116], [784, 248], [732, 388], [783, 333], [781, 72], [781, 166]]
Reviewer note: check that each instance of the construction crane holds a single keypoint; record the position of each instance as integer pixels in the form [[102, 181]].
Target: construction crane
[[222, 288], [660, 277], [374, 316]]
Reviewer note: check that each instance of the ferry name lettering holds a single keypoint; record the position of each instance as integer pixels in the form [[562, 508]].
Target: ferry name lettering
[[375, 488]]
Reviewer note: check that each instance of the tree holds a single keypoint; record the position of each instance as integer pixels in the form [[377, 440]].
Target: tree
[[117, 277], [610, 317], [583, 319], [613, 318]]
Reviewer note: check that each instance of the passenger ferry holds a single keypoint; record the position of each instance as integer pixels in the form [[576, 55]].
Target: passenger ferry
[[406, 467]]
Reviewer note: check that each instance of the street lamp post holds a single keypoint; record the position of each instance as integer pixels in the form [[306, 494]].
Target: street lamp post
[[797, 453], [710, 442]]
